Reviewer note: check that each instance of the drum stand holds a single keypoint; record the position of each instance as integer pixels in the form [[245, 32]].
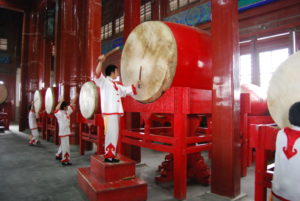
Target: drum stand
[[91, 131], [179, 103], [247, 119]]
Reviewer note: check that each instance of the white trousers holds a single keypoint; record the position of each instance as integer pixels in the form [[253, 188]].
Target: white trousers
[[64, 149], [111, 132], [35, 136]]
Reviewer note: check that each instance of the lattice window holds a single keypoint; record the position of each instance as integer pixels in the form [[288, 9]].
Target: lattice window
[[176, 4], [3, 44], [146, 11], [106, 31], [119, 25]]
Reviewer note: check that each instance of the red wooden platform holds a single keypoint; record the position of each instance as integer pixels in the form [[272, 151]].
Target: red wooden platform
[[111, 181]]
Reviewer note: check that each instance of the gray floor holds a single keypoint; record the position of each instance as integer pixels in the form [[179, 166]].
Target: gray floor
[[32, 174]]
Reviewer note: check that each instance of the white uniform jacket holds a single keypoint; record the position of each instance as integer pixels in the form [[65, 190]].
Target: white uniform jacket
[[286, 178], [32, 120], [63, 118], [111, 92]]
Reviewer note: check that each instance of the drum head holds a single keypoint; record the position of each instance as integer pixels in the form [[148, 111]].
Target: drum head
[[49, 100], [3, 93], [38, 101], [284, 90], [150, 49], [88, 99]]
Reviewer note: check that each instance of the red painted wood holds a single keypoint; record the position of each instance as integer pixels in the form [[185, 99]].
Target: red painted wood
[[266, 141], [225, 105], [91, 131], [131, 16], [193, 66], [131, 190], [93, 32], [178, 103], [109, 172]]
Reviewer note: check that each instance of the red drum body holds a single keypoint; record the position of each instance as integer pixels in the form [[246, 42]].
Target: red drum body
[[193, 57], [258, 99], [163, 54], [89, 100]]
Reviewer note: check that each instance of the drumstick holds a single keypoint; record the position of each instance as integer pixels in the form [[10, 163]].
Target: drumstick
[[140, 77], [112, 51]]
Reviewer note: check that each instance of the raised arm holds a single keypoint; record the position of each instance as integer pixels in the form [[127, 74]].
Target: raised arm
[[102, 58], [74, 100], [60, 102]]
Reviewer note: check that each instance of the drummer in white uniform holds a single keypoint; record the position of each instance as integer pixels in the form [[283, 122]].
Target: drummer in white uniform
[[286, 179], [111, 106], [32, 116], [62, 113]]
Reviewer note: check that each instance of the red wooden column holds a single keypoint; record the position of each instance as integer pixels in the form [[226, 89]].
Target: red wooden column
[[24, 72], [93, 33], [131, 20], [132, 15], [226, 171]]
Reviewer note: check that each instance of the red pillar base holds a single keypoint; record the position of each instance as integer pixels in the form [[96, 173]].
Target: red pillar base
[[111, 181]]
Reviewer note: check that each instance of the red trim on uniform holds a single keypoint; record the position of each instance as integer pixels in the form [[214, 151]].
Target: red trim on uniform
[[56, 111], [133, 89], [71, 108], [115, 86], [109, 151], [292, 136], [112, 113], [119, 83], [279, 197], [33, 128], [65, 135]]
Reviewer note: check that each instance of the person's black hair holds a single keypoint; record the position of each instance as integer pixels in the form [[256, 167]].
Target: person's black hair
[[294, 114], [63, 105], [109, 69]]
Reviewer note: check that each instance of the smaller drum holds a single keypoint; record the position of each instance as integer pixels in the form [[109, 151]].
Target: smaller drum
[[89, 100], [38, 100], [51, 99], [3, 93], [258, 99]]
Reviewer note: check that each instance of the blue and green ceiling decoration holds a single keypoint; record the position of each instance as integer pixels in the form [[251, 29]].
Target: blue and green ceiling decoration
[[196, 15]]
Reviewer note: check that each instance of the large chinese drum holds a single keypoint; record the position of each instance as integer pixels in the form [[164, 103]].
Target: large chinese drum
[[51, 99], [258, 99], [89, 100], [284, 90], [39, 100], [3, 93], [163, 54]]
